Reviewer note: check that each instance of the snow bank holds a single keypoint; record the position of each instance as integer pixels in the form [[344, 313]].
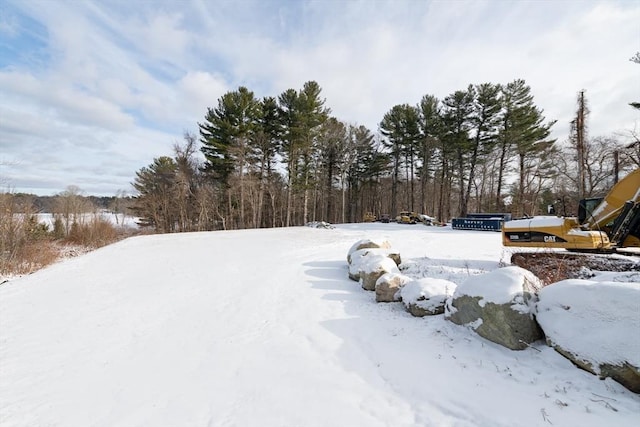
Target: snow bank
[[596, 320]]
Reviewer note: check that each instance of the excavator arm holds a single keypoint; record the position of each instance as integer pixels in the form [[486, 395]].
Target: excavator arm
[[610, 208], [626, 228]]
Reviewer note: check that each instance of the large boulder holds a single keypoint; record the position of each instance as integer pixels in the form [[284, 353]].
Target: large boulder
[[367, 244], [374, 266], [595, 325], [388, 286], [427, 296], [499, 306], [357, 257]]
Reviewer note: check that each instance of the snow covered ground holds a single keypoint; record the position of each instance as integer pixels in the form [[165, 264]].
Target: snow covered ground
[[264, 328]]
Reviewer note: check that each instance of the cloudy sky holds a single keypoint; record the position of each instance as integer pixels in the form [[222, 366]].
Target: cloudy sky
[[92, 91]]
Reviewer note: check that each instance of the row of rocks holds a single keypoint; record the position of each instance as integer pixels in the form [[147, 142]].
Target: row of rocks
[[502, 306]]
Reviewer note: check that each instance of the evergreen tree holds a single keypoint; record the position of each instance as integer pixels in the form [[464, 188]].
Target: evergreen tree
[[267, 144], [484, 130], [370, 165], [457, 117], [401, 128], [431, 133], [313, 114], [156, 187], [411, 149], [357, 158], [226, 141], [302, 113], [524, 130], [289, 119], [332, 144]]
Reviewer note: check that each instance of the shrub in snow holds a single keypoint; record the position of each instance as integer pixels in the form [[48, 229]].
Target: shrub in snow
[[388, 286], [499, 306], [595, 325], [357, 257], [426, 296], [374, 266], [367, 244]]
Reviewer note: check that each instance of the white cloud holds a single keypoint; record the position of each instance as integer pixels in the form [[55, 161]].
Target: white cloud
[[66, 103], [126, 79], [200, 90], [162, 37]]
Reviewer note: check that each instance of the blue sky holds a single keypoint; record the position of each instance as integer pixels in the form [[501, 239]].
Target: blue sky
[[90, 92]]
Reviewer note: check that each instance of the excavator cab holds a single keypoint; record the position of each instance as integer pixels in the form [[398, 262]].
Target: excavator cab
[[586, 208]]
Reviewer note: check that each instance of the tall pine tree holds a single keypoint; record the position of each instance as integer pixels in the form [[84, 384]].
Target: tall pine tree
[[523, 128], [226, 137]]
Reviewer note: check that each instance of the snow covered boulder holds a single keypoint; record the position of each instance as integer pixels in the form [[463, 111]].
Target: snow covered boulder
[[499, 306], [374, 266], [595, 325], [367, 244], [356, 258], [425, 297], [388, 286]]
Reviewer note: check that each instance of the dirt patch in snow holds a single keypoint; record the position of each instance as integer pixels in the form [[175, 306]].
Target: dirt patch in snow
[[552, 267]]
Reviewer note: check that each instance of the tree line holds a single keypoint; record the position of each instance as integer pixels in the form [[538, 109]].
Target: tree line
[[285, 160]]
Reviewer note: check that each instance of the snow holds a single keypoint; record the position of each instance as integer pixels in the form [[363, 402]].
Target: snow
[[536, 221], [499, 286], [368, 243], [427, 293], [117, 219], [363, 260], [264, 328], [376, 263], [593, 303]]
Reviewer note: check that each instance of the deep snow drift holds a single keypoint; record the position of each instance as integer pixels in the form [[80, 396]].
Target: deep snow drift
[[264, 328]]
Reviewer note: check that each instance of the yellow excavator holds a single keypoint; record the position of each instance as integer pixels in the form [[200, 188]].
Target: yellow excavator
[[603, 224]]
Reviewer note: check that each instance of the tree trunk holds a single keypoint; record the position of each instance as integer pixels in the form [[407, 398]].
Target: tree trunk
[[520, 210], [501, 168]]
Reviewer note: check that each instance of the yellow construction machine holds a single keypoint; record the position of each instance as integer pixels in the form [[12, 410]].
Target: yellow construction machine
[[369, 217], [406, 217], [603, 224]]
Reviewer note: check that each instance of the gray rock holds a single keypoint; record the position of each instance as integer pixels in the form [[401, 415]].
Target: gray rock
[[575, 308], [498, 323], [426, 296], [624, 373], [499, 306]]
